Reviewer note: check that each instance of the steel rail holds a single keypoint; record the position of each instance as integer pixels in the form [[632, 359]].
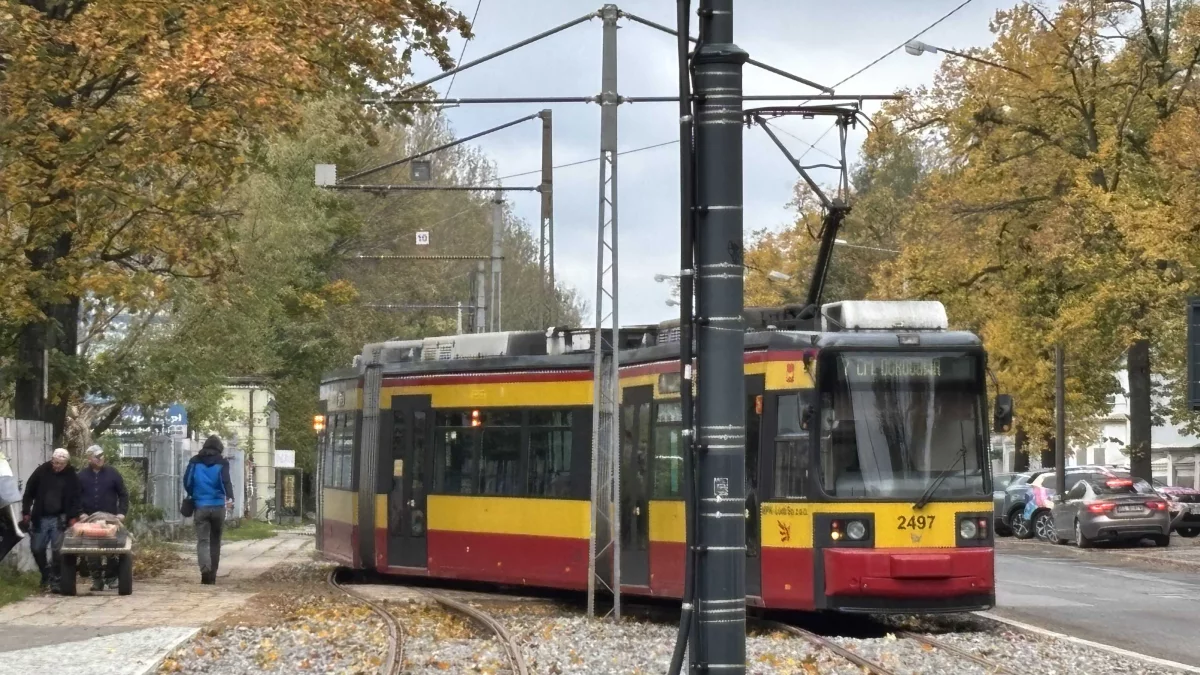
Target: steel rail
[[394, 663], [938, 644], [515, 657], [824, 643]]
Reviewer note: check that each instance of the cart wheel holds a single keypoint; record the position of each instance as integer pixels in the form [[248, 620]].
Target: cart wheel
[[66, 582], [125, 575]]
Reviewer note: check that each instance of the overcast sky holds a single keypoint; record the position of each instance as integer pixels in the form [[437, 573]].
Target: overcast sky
[[822, 41]]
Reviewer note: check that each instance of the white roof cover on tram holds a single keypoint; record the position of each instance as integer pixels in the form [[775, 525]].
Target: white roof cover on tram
[[914, 315]]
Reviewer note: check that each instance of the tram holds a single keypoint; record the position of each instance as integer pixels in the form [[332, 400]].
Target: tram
[[867, 470]]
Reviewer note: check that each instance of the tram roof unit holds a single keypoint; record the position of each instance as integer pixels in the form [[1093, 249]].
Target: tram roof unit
[[849, 324]]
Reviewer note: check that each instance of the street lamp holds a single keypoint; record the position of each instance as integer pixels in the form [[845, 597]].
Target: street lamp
[[917, 48]]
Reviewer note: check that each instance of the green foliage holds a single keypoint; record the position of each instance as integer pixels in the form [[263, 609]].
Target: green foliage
[[248, 530], [16, 586], [1050, 201]]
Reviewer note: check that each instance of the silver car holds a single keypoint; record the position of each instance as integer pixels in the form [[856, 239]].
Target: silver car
[[1000, 483], [1111, 509]]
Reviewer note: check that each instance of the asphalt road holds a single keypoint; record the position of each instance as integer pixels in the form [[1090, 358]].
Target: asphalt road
[[1127, 605]]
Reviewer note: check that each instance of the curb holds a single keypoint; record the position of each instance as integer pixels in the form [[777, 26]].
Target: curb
[[1154, 660], [153, 665]]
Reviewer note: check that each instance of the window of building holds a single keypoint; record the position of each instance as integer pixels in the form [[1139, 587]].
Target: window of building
[[549, 453], [500, 453], [668, 450], [454, 453]]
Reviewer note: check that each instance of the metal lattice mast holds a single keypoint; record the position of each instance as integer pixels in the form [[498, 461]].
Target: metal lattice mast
[[546, 251], [605, 542]]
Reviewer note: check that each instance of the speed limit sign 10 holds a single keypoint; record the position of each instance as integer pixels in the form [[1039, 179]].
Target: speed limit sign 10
[[422, 239]]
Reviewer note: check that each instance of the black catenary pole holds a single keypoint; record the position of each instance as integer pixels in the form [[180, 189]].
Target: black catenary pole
[[720, 642], [687, 261]]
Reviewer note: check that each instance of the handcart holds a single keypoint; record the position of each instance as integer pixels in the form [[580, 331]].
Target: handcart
[[99, 534]]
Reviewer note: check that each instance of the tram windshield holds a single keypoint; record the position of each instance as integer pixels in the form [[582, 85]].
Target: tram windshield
[[893, 423]]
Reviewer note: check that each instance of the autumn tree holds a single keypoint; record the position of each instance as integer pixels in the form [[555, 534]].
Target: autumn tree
[[1048, 224], [294, 301], [123, 124]]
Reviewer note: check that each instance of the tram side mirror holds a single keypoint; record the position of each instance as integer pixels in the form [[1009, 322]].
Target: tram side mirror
[[806, 415], [1002, 416]]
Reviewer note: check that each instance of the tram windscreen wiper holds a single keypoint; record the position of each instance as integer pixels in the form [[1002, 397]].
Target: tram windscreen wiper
[[928, 494]]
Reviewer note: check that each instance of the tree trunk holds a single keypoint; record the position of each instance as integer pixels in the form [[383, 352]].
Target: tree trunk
[[1047, 451], [58, 334], [1139, 410], [1020, 451]]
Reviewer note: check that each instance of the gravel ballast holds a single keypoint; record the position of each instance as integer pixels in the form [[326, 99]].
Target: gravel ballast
[[557, 640], [321, 636]]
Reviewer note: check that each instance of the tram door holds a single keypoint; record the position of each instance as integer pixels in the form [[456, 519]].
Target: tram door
[[635, 486], [411, 473], [755, 387]]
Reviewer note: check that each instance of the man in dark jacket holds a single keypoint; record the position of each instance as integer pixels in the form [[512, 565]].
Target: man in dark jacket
[[103, 492], [51, 505], [207, 483]]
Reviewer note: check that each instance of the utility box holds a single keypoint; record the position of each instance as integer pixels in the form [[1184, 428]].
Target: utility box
[[1193, 354]]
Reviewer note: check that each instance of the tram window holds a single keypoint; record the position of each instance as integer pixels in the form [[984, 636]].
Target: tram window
[[791, 466], [789, 415], [500, 454], [346, 449], [454, 453], [668, 451], [550, 453]]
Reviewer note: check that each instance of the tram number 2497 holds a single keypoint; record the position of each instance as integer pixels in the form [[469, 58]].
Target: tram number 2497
[[914, 522]]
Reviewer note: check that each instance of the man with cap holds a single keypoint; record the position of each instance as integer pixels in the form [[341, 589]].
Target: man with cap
[[103, 492], [51, 505], [206, 481]]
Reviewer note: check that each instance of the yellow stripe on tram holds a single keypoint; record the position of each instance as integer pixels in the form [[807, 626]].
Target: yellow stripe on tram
[[510, 515]]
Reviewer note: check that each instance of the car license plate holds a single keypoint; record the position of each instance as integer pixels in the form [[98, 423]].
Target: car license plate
[[1129, 507]]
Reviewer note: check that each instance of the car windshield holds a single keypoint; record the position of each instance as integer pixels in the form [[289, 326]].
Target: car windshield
[[892, 423]]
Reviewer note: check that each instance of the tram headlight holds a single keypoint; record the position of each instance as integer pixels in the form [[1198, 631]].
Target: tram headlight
[[967, 529], [856, 530]]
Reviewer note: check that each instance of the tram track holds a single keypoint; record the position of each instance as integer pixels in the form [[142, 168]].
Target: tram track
[[876, 668], [992, 666], [394, 661], [511, 647]]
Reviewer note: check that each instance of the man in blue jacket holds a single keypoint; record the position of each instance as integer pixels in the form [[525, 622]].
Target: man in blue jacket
[[207, 483], [103, 492]]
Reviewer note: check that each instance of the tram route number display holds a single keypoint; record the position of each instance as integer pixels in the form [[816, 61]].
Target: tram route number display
[[914, 522]]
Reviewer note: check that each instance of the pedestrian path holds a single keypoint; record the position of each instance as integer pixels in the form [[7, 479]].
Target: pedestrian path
[[127, 635]]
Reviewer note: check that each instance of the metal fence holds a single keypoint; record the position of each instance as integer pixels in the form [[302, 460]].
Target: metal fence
[[26, 444], [166, 460]]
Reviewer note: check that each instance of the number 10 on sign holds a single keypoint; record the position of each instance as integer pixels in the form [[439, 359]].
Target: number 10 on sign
[[422, 239]]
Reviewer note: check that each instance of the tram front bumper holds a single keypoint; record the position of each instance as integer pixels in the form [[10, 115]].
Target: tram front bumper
[[914, 580]]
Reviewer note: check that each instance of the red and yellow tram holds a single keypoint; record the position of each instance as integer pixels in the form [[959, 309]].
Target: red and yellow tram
[[868, 487]]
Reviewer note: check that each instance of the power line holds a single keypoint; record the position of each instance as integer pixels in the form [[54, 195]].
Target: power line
[[898, 47], [463, 53], [811, 146], [872, 64], [593, 159]]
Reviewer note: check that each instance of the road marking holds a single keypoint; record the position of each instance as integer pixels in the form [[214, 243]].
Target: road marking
[[1009, 599], [1088, 643]]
